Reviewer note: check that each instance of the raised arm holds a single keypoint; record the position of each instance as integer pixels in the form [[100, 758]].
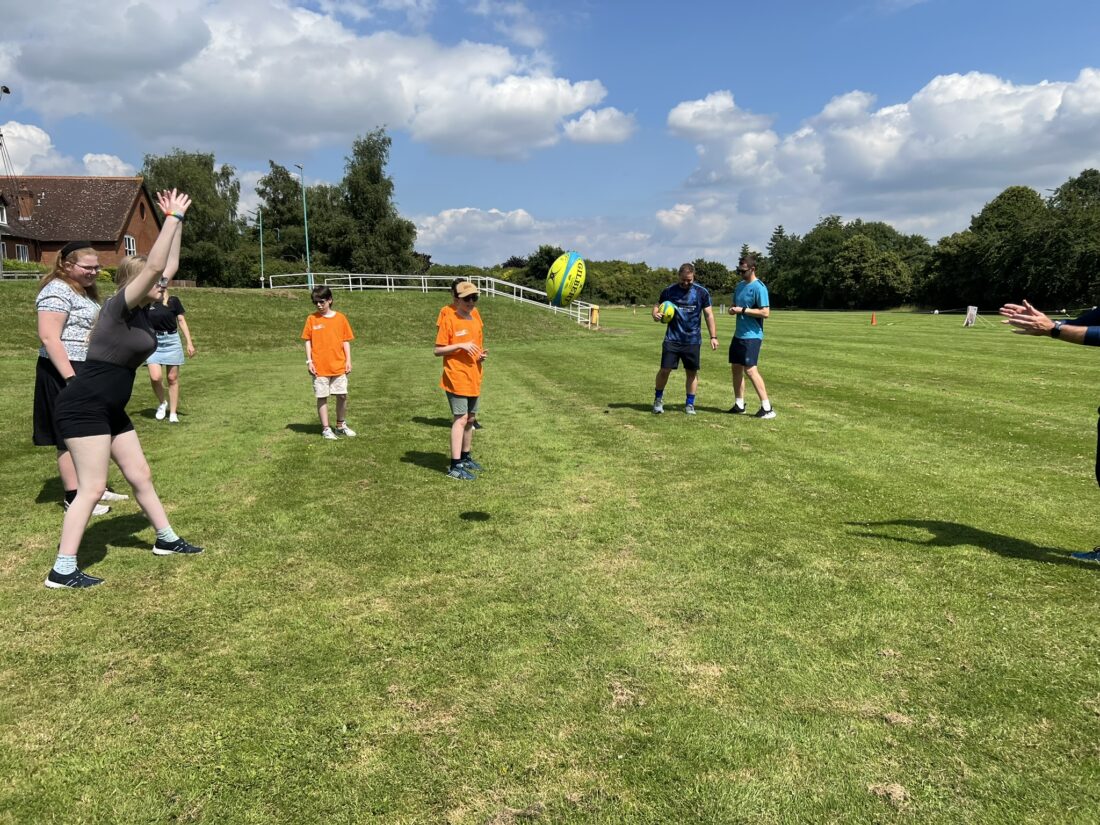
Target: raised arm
[[174, 205], [1030, 321]]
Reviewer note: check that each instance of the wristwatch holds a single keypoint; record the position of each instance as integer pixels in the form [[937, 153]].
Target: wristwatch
[[1056, 330]]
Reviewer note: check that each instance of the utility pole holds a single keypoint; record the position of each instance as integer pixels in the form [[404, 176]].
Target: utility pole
[[305, 221], [259, 213]]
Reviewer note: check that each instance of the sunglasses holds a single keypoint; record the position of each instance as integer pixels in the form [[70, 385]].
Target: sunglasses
[[471, 298]]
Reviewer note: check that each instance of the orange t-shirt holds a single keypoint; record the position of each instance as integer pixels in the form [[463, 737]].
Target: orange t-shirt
[[326, 338], [461, 371]]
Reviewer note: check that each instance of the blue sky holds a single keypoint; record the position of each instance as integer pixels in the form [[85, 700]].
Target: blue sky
[[639, 130]]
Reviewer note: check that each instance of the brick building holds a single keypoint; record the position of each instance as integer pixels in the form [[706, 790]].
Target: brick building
[[39, 214]]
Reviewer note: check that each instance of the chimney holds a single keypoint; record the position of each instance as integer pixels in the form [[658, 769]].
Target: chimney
[[25, 204]]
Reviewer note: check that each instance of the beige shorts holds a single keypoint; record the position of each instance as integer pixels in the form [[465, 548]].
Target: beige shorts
[[324, 386]]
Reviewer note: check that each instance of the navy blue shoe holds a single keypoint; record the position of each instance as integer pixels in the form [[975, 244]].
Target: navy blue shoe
[[171, 548], [476, 425], [470, 465], [1090, 555], [460, 472], [76, 580]]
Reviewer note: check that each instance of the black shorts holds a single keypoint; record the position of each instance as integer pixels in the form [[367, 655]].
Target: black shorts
[[745, 352], [673, 354], [48, 384], [95, 402]]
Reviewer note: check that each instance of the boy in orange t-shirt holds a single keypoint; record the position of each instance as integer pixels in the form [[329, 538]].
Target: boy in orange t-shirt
[[327, 334], [460, 341]]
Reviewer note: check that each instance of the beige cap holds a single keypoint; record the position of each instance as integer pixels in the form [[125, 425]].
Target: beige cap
[[465, 290]]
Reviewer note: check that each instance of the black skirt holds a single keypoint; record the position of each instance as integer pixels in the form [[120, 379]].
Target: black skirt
[[48, 383]]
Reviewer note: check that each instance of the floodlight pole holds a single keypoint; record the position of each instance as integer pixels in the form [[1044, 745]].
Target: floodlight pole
[[305, 221], [259, 213], [4, 90]]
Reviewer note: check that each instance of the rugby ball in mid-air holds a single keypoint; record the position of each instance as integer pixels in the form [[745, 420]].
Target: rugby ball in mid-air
[[565, 280], [667, 310]]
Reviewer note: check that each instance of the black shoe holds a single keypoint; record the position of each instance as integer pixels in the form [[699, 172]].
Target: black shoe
[[476, 425], [171, 548], [75, 580], [762, 413], [735, 410]]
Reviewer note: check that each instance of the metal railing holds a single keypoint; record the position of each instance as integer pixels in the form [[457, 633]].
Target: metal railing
[[579, 311]]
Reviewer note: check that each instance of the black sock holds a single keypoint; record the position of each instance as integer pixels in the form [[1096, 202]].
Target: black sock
[[455, 462], [70, 496], [465, 456]]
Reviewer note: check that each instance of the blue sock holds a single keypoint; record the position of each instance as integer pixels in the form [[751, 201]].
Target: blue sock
[[658, 393], [691, 400], [167, 534], [65, 564]]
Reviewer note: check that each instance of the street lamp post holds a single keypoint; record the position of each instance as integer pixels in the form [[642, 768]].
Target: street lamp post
[[305, 221], [259, 213], [4, 90]]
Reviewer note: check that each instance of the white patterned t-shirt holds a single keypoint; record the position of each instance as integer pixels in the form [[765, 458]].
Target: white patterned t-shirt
[[82, 311]]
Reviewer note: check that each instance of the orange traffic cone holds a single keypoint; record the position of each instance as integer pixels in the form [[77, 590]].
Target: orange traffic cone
[[874, 323]]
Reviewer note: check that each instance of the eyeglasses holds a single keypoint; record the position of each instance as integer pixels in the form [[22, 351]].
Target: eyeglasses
[[94, 269], [471, 298]]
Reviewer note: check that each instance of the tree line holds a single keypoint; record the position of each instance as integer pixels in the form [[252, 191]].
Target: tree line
[[1020, 244]]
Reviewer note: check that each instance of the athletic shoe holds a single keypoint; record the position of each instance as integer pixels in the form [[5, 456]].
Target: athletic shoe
[[346, 430], [735, 410], [461, 472], [689, 409], [173, 419], [1090, 555], [476, 425], [762, 413], [98, 510], [470, 465], [658, 406], [162, 410], [76, 580], [111, 495], [171, 548], [329, 434]]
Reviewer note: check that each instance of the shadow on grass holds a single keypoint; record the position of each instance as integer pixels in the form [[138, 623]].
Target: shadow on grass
[[312, 429], [474, 515], [51, 492], [429, 461], [670, 407], [949, 534], [113, 531], [431, 422]]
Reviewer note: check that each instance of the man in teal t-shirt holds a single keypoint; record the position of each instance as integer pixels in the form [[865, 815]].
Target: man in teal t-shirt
[[750, 307]]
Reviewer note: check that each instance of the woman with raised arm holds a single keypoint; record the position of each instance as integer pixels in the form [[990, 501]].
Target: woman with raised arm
[[90, 414]]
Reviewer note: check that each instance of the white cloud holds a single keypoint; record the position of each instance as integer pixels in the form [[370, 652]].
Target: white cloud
[[108, 166], [259, 76], [924, 165], [601, 126], [513, 20]]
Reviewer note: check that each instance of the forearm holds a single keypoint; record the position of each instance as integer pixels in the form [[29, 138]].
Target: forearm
[[59, 357], [709, 315], [347, 353], [155, 264], [1074, 334], [186, 330]]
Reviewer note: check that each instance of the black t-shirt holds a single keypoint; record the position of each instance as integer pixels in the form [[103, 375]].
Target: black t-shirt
[[163, 318]]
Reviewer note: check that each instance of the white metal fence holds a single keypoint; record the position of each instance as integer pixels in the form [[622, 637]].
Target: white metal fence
[[580, 311]]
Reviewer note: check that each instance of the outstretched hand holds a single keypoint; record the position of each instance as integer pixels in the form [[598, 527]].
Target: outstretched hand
[[173, 201], [1027, 319]]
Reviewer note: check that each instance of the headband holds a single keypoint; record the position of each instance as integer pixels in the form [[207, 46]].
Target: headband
[[72, 246]]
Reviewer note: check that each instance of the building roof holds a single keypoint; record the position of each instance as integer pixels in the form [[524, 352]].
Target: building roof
[[68, 207]]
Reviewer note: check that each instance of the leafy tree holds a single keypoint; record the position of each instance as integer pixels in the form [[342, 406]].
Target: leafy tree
[[213, 228], [383, 241], [868, 277], [539, 263]]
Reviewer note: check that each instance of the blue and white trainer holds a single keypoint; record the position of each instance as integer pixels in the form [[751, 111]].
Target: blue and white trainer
[[460, 472], [76, 580], [172, 548], [1088, 555]]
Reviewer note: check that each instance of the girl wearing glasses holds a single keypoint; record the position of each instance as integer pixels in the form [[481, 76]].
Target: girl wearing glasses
[[68, 305], [90, 413]]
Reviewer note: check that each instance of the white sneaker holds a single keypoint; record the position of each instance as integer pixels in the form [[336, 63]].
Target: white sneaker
[[111, 495], [173, 419], [98, 510], [328, 434], [162, 410], [345, 430]]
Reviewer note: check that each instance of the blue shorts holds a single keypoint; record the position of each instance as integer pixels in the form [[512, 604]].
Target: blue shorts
[[169, 350], [672, 354], [745, 352]]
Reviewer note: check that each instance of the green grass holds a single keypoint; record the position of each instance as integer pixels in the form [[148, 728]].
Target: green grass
[[627, 618]]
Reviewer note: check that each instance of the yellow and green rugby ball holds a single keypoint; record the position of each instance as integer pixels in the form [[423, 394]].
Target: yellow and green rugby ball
[[667, 310], [565, 280]]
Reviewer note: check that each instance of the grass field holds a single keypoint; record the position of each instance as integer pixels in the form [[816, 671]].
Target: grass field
[[862, 611]]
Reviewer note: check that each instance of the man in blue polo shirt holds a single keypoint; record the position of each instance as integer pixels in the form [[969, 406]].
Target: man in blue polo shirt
[[750, 306], [683, 338]]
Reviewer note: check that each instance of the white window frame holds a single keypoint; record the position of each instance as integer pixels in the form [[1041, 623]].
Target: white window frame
[[3, 214], [22, 252], [130, 244]]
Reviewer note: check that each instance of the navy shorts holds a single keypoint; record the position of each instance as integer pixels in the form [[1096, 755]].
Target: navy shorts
[[673, 354], [745, 351]]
